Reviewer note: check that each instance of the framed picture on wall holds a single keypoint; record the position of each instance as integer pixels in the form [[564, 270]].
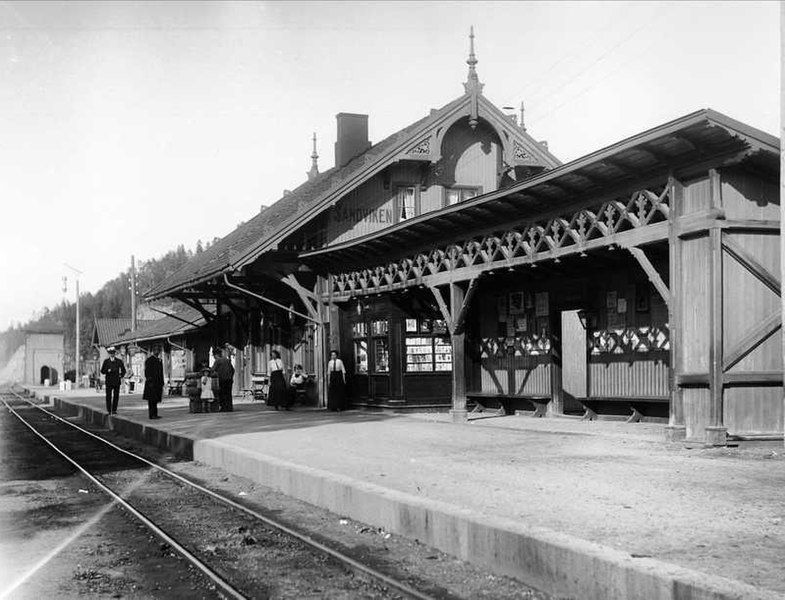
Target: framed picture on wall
[[541, 308], [501, 308], [516, 303], [641, 300], [610, 300]]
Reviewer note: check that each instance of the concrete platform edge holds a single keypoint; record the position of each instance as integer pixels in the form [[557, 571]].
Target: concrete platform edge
[[554, 562]]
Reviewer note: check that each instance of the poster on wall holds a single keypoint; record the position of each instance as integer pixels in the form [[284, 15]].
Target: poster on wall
[[521, 324], [610, 300], [516, 303], [541, 304], [501, 308], [621, 306]]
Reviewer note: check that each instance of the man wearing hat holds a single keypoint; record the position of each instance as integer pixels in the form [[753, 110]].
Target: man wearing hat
[[114, 369], [224, 371], [153, 382]]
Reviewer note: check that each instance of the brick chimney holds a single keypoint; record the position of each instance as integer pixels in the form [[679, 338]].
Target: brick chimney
[[352, 137]]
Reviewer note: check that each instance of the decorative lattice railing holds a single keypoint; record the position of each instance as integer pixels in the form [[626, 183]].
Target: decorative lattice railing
[[528, 243], [629, 339]]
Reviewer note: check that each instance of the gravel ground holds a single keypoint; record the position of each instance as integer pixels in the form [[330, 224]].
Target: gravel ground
[[41, 505]]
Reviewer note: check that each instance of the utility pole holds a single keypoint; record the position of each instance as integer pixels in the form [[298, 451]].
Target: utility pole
[[133, 293], [76, 354]]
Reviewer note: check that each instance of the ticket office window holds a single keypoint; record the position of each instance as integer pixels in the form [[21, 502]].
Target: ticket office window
[[371, 343], [427, 346]]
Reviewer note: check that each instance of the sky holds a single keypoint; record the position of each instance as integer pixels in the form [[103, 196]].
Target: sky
[[127, 128]]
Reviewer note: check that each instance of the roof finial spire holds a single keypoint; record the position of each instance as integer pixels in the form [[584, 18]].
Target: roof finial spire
[[314, 158], [523, 110], [472, 84]]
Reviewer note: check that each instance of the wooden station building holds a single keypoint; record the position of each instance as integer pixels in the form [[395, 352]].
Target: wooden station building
[[459, 261]]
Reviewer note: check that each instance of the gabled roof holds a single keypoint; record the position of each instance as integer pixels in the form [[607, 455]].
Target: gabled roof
[[672, 146], [183, 321], [107, 330], [265, 230], [44, 328]]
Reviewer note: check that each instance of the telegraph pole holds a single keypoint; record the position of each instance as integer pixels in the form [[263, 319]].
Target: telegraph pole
[[76, 355], [133, 293]]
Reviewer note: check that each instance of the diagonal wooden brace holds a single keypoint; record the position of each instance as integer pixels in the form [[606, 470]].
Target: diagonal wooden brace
[[753, 339], [749, 262], [651, 273]]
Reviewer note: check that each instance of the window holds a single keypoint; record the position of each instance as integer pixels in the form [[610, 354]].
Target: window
[[454, 195], [406, 202], [360, 335], [361, 357], [381, 346], [427, 348]]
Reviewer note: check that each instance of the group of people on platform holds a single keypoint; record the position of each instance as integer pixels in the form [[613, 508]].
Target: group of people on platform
[[216, 382], [279, 396]]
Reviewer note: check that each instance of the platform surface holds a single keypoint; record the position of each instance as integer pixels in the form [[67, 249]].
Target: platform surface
[[718, 511]]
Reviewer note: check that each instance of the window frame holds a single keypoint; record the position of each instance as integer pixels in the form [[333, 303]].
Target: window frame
[[397, 187], [430, 333], [477, 189]]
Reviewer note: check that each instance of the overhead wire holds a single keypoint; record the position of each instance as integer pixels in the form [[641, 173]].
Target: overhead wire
[[594, 83]]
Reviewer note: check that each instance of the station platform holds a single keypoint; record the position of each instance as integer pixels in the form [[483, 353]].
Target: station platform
[[580, 509]]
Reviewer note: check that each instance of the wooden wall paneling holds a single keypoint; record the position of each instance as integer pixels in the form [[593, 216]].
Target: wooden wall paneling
[[752, 408], [745, 196], [696, 196], [470, 157], [694, 331]]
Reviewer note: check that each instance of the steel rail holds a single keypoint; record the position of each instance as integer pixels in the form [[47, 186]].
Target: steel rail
[[309, 541], [217, 579]]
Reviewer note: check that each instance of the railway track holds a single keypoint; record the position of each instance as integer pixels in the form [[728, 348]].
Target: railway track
[[129, 479]]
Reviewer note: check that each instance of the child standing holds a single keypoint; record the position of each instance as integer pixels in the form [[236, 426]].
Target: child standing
[[207, 388]]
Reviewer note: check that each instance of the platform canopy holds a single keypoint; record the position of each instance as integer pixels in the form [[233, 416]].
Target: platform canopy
[[681, 147]]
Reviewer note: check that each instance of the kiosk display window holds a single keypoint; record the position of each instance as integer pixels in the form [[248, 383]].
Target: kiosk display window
[[427, 351]]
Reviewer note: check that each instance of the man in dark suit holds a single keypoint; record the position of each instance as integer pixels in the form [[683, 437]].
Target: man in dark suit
[[114, 369], [153, 382], [224, 371]]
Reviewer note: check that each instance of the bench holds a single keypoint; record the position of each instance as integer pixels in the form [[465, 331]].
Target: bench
[[505, 400], [635, 405], [175, 387]]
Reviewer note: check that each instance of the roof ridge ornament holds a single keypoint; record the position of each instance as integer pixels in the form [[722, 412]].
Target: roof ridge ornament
[[314, 158], [472, 86]]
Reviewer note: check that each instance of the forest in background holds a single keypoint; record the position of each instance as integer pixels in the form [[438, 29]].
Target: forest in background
[[113, 300]]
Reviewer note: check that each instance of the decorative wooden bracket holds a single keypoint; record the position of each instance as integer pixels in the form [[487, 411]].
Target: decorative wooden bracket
[[198, 307], [307, 297], [651, 273], [753, 339], [455, 318]]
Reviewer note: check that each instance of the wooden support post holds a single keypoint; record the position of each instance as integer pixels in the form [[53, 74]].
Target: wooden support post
[[716, 432], [458, 412], [320, 347], [676, 429]]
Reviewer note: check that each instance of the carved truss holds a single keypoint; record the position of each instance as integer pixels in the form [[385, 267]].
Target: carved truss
[[525, 244]]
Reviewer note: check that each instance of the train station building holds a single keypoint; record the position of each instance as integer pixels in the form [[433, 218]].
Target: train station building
[[459, 264]]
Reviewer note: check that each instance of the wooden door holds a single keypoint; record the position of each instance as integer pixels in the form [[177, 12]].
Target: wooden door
[[573, 346]]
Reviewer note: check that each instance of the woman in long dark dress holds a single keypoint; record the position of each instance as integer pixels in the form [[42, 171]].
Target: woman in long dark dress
[[277, 395], [336, 383]]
